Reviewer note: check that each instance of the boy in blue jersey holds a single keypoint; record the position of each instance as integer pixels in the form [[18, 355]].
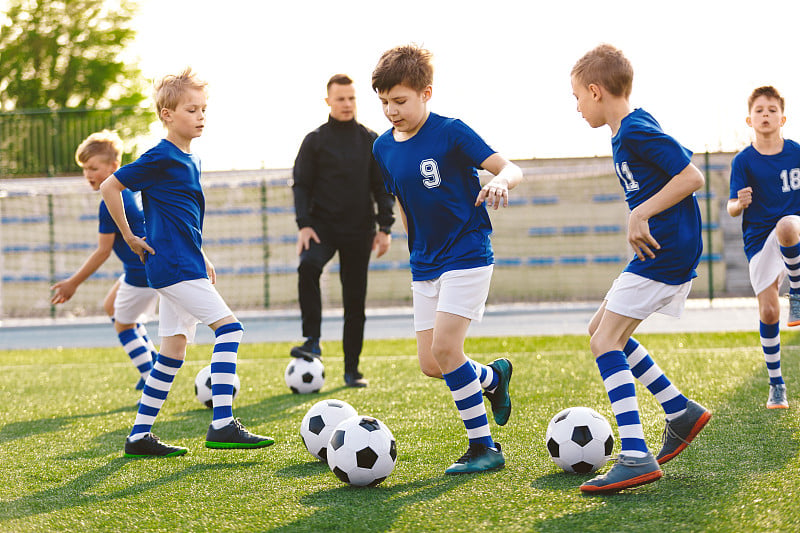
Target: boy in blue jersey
[[659, 180], [765, 189], [430, 164], [130, 300], [168, 176]]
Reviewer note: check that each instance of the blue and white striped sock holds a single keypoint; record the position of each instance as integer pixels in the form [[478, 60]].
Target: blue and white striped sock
[[618, 381], [466, 390], [136, 348], [791, 257], [486, 375], [651, 376], [223, 372], [142, 331], [155, 392], [771, 344]]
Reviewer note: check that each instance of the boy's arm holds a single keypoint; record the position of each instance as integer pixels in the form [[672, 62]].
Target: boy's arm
[[744, 197], [66, 288], [111, 189], [507, 175], [679, 187], [403, 217], [210, 270]]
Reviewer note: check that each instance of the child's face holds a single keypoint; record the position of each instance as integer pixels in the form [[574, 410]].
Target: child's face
[[97, 168], [188, 119], [765, 115], [342, 101], [405, 107], [588, 104]]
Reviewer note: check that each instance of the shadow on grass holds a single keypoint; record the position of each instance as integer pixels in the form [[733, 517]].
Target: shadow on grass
[[77, 492], [29, 428], [743, 440], [372, 509]]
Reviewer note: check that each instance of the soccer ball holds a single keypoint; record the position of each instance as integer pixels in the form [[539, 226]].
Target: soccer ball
[[304, 376], [202, 386], [319, 423], [579, 440], [362, 451]]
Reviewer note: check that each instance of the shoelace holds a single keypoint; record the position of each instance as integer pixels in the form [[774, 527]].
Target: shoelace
[[668, 431], [472, 451]]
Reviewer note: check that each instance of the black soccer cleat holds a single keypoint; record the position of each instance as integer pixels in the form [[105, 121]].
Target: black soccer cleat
[[151, 446], [235, 436]]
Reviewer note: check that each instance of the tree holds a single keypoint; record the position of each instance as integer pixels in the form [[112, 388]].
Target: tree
[[68, 55]]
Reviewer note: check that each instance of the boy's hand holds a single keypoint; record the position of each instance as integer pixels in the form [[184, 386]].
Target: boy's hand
[[493, 193], [639, 237], [139, 247], [745, 197], [63, 291]]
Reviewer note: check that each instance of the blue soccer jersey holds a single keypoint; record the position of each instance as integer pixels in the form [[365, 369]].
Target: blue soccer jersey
[[174, 206], [645, 159], [134, 269], [775, 180], [435, 178]]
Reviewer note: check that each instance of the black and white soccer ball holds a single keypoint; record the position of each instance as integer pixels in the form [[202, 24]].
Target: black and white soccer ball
[[362, 451], [304, 375], [579, 440], [320, 421], [202, 386]]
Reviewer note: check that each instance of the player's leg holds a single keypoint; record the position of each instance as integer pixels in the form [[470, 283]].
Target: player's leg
[[129, 304], [312, 261], [787, 231], [767, 272], [649, 374], [635, 465], [353, 267], [199, 300]]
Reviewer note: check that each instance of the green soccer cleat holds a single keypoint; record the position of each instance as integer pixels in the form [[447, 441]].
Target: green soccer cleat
[[235, 436], [500, 398], [777, 397], [151, 446], [627, 472], [680, 432], [479, 458]]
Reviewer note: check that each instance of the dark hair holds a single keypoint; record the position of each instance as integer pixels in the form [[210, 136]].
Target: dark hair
[[339, 79], [767, 90], [408, 65]]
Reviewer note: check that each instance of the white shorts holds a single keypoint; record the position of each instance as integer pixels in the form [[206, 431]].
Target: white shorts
[[459, 292], [134, 304], [186, 303], [638, 297], [767, 265]]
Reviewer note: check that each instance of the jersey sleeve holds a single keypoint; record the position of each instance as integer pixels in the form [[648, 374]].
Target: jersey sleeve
[[660, 149], [106, 223], [387, 177], [738, 176], [470, 144], [139, 174]]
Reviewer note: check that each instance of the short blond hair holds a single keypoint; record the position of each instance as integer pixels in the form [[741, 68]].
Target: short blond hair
[[104, 143], [607, 67], [170, 89]]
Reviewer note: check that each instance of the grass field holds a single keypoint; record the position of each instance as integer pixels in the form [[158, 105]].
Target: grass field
[[65, 414]]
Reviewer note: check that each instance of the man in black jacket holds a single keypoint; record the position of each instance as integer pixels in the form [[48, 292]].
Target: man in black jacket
[[337, 186]]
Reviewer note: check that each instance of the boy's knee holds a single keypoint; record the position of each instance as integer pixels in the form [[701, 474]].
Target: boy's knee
[[788, 230], [430, 370]]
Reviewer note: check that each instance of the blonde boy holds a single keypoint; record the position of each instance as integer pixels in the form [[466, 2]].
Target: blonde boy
[[659, 181], [168, 175], [765, 190], [130, 300], [430, 164]]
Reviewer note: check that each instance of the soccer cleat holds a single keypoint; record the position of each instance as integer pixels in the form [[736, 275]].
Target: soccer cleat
[[680, 432], [479, 458], [234, 435], [500, 399], [151, 446], [309, 350], [794, 310], [627, 472], [777, 397], [355, 380]]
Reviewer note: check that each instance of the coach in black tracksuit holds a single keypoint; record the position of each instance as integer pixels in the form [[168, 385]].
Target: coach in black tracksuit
[[337, 185]]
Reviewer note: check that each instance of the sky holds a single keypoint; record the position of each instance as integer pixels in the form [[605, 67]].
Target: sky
[[501, 66]]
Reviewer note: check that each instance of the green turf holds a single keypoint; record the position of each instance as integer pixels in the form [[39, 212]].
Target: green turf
[[65, 415]]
